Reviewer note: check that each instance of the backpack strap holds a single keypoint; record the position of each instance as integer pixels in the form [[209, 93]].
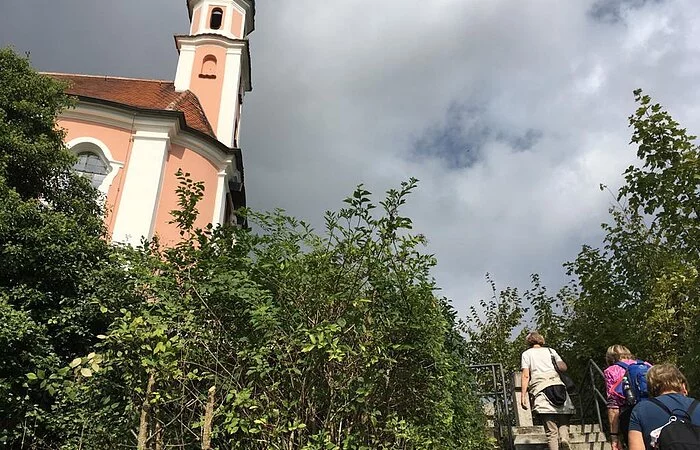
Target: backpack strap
[[623, 365], [662, 406], [692, 408], [554, 361], [690, 411]]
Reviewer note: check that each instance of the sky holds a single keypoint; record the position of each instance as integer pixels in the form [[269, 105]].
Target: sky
[[511, 113]]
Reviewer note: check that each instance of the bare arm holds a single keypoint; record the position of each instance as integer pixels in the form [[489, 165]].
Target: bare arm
[[636, 440], [524, 381], [560, 364]]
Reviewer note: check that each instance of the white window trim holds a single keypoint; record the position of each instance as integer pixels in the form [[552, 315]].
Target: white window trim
[[105, 155]]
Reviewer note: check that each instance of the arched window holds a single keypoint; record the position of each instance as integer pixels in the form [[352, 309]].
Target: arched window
[[216, 19], [208, 67], [91, 166], [95, 162]]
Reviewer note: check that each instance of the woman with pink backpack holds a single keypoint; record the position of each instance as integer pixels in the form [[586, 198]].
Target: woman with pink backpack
[[625, 384]]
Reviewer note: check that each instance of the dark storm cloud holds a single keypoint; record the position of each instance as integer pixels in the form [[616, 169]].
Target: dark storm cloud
[[612, 11], [126, 37], [458, 140], [524, 141]]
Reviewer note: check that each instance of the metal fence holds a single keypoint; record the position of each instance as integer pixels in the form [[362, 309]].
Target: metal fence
[[495, 390]]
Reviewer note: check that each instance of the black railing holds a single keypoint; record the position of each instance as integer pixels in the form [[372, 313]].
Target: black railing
[[494, 389], [592, 397]]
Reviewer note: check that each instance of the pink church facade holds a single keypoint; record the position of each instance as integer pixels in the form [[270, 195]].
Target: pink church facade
[[131, 136]]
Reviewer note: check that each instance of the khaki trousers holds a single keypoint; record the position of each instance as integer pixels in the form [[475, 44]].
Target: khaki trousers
[[556, 426]]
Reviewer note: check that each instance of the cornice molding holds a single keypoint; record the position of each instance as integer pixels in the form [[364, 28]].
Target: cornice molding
[[156, 126], [210, 39]]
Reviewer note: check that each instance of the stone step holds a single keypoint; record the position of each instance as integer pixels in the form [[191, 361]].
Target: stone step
[[581, 437], [576, 446], [576, 429], [592, 446], [574, 438]]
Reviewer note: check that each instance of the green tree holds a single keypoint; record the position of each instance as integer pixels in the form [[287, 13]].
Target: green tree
[[51, 242], [282, 338], [496, 332], [641, 287]]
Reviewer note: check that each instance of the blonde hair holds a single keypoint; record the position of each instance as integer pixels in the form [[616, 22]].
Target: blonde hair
[[534, 338], [665, 378], [617, 353]]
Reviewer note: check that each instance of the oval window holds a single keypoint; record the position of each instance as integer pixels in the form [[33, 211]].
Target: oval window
[[217, 18]]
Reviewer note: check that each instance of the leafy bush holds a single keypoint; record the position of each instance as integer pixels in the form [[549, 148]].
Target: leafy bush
[[281, 339]]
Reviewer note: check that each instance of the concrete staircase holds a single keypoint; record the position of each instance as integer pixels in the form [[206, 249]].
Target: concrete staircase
[[586, 437], [528, 436]]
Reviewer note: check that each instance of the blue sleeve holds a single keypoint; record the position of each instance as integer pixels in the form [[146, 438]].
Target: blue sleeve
[[635, 424], [696, 416]]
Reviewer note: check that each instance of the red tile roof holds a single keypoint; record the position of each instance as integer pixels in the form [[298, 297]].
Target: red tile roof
[[145, 94]]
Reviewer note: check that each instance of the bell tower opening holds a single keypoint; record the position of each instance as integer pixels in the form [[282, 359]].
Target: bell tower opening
[[216, 19]]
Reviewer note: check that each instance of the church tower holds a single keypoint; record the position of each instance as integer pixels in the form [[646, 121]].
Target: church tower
[[132, 136], [214, 61]]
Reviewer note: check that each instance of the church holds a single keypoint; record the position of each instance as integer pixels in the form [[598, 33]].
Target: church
[[131, 136]]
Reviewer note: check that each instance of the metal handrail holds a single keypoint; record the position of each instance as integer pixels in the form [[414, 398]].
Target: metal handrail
[[595, 366], [599, 399], [499, 392]]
